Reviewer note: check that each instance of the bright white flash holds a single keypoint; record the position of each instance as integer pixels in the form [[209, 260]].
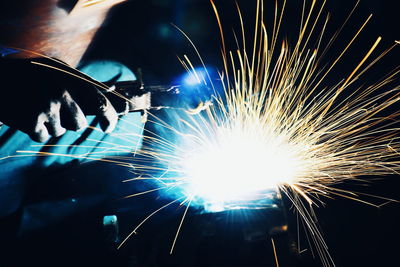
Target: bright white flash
[[239, 164]]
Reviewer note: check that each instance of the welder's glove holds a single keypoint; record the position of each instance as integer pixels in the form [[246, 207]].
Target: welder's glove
[[45, 102]]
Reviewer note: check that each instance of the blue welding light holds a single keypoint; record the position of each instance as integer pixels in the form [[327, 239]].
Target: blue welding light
[[5, 51], [194, 77]]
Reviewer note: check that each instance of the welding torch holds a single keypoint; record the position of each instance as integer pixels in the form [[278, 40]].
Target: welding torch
[[131, 96]]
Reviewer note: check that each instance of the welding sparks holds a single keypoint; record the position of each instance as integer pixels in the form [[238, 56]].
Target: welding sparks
[[274, 127], [238, 162]]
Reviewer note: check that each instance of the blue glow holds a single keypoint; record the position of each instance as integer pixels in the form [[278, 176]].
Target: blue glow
[[254, 201], [195, 77], [224, 167]]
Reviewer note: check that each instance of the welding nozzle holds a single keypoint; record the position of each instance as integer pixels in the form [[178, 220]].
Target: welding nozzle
[[129, 96]]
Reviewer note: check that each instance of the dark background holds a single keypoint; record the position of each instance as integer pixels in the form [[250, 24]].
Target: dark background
[[139, 34]]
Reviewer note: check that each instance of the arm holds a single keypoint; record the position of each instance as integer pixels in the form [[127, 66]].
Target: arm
[[43, 102], [56, 28]]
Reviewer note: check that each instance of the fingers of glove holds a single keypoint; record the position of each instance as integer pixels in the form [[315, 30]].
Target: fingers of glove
[[94, 102], [108, 117], [71, 115], [53, 123], [39, 132]]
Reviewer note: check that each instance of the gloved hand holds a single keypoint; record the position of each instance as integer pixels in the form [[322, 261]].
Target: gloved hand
[[45, 102]]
